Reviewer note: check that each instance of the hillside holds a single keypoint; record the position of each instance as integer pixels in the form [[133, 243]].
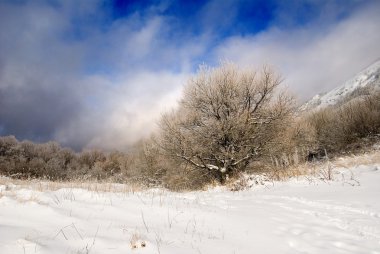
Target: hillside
[[368, 79]]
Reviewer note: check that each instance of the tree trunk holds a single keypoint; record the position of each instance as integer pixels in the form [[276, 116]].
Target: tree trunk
[[221, 177]]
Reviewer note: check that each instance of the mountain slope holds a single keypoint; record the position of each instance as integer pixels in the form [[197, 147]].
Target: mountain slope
[[369, 79]]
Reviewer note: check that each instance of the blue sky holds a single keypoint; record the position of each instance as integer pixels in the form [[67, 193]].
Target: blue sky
[[98, 74]]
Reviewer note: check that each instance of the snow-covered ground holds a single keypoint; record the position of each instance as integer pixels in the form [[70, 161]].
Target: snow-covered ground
[[304, 215]]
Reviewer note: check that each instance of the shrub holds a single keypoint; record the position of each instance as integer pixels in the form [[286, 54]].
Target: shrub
[[349, 123]]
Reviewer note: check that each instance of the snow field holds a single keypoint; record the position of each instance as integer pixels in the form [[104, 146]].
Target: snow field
[[296, 216]]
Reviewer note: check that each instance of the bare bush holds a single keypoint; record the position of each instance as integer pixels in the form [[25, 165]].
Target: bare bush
[[292, 144], [50, 161], [337, 128]]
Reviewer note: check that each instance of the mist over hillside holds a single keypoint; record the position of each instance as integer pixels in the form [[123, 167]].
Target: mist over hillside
[[364, 82]]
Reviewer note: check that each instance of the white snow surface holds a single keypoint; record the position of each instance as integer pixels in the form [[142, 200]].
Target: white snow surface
[[368, 77], [304, 215]]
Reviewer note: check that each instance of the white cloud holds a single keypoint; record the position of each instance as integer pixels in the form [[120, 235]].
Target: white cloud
[[312, 59]]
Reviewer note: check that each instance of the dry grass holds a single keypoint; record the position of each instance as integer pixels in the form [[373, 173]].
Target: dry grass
[[323, 168], [372, 157], [42, 185], [137, 241]]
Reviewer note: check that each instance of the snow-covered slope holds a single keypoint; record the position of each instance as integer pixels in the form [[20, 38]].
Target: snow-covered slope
[[304, 215], [369, 78]]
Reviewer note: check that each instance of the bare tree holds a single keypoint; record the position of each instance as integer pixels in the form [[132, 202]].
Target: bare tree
[[225, 118]]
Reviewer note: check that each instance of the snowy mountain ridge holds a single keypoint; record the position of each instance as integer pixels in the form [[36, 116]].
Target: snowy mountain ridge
[[368, 78]]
